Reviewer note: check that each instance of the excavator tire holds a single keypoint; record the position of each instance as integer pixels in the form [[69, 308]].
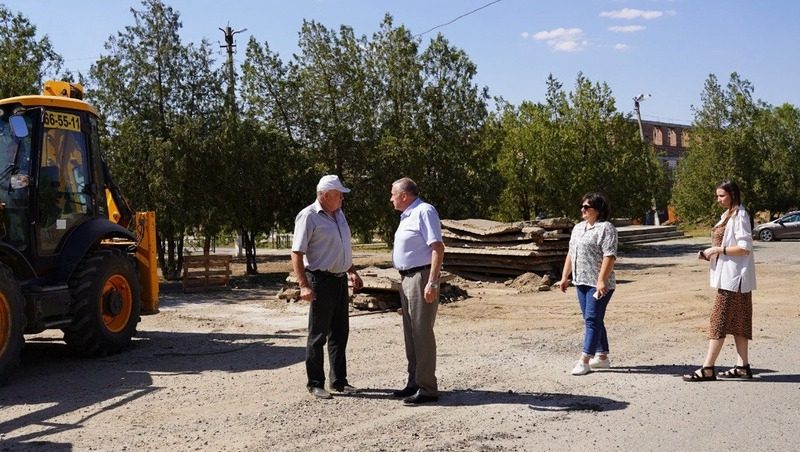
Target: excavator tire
[[12, 322], [106, 300]]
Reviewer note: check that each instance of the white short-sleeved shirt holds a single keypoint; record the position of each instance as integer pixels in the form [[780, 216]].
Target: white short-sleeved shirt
[[734, 273], [325, 241], [588, 245], [419, 228]]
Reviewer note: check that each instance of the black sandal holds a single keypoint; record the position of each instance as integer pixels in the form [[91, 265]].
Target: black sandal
[[737, 372], [701, 374]]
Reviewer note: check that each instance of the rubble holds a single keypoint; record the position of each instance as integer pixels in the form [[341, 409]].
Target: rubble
[[531, 282], [381, 290]]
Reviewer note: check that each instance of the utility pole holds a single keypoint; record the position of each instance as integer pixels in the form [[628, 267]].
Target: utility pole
[[229, 45], [230, 100], [636, 101]]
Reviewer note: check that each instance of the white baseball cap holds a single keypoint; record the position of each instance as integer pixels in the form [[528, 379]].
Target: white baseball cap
[[331, 182]]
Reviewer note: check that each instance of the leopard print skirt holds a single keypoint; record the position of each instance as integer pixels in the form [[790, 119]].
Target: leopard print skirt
[[733, 311], [732, 314]]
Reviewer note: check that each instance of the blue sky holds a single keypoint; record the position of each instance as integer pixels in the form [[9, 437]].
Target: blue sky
[[666, 48]]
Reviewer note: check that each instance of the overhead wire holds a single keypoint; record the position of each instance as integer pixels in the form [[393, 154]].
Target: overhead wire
[[457, 18]]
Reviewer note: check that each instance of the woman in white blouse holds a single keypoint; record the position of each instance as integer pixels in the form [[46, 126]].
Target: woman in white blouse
[[732, 272]]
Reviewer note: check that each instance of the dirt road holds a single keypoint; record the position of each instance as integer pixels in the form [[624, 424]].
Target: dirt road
[[224, 372]]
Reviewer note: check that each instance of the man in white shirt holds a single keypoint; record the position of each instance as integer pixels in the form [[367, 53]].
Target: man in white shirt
[[418, 253], [322, 259]]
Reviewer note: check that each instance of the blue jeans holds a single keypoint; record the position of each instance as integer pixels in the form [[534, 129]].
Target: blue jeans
[[595, 339]]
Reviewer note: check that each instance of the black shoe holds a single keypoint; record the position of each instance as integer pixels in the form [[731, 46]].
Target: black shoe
[[320, 393], [405, 392], [346, 389], [419, 398]]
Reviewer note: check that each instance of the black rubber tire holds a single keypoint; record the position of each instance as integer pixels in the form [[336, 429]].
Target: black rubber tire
[[106, 298], [12, 322], [766, 235]]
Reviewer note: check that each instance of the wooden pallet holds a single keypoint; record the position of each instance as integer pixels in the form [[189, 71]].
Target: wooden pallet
[[202, 273]]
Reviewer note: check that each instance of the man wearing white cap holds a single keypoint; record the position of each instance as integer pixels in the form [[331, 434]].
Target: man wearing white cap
[[322, 259]]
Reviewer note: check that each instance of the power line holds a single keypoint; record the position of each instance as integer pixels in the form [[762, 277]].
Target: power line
[[457, 18]]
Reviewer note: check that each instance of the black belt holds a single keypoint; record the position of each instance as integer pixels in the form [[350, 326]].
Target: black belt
[[412, 270], [326, 273]]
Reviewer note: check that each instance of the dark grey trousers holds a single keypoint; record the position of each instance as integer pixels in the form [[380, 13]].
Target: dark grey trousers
[[328, 321]]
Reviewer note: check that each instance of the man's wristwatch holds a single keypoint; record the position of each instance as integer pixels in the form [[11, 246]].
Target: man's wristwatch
[[434, 285]]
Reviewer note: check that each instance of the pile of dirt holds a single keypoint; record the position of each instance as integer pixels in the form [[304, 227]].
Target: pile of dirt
[[531, 282]]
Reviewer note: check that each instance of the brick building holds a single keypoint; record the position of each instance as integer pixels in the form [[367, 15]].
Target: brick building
[[670, 140]]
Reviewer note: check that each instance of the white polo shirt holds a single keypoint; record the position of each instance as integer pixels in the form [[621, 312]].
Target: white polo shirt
[[325, 241], [419, 228]]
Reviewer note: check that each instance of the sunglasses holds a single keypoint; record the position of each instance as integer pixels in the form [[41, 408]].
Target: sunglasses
[[585, 206]]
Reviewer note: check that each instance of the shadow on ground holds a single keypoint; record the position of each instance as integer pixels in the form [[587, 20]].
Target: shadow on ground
[[661, 249], [53, 380], [541, 401], [759, 375]]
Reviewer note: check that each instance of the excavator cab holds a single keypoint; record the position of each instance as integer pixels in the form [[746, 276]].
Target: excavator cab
[[73, 256]]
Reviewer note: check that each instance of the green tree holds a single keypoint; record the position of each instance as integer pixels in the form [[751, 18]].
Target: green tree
[[24, 60], [161, 101], [575, 142], [337, 115], [265, 182], [528, 137], [196, 180], [269, 149], [778, 136], [395, 83], [452, 126], [269, 89], [613, 159], [737, 137]]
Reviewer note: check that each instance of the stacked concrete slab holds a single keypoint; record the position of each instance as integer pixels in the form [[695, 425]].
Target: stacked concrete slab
[[479, 248]]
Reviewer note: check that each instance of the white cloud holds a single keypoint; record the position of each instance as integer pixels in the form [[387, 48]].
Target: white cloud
[[525, 35], [559, 34], [630, 13], [622, 47], [562, 39], [627, 28]]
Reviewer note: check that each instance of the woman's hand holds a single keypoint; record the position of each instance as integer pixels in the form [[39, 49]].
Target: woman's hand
[[563, 284], [601, 289]]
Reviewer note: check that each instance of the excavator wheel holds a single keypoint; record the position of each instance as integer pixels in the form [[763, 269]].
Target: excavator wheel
[[12, 322], [106, 300]]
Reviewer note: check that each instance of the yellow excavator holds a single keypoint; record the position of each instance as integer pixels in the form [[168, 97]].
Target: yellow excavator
[[73, 255]]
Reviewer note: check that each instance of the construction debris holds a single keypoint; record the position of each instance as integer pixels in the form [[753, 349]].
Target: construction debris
[[381, 289], [531, 282], [479, 248]]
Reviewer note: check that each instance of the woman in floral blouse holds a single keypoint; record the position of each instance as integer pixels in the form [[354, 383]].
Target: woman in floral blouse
[[591, 257]]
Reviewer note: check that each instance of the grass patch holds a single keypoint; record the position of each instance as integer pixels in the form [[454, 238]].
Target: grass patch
[[695, 230]]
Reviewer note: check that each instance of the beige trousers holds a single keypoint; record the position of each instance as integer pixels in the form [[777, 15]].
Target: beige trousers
[[418, 320]]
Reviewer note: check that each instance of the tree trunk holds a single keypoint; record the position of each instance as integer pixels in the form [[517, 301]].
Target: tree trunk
[[249, 245], [206, 245]]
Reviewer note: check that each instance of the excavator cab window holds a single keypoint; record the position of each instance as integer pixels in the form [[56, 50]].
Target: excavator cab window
[[15, 158], [95, 150], [64, 176]]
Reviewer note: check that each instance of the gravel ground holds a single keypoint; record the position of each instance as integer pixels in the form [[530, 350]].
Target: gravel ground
[[224, 372]]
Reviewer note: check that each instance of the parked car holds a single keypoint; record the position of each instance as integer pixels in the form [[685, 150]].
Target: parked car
[[785, 227]]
